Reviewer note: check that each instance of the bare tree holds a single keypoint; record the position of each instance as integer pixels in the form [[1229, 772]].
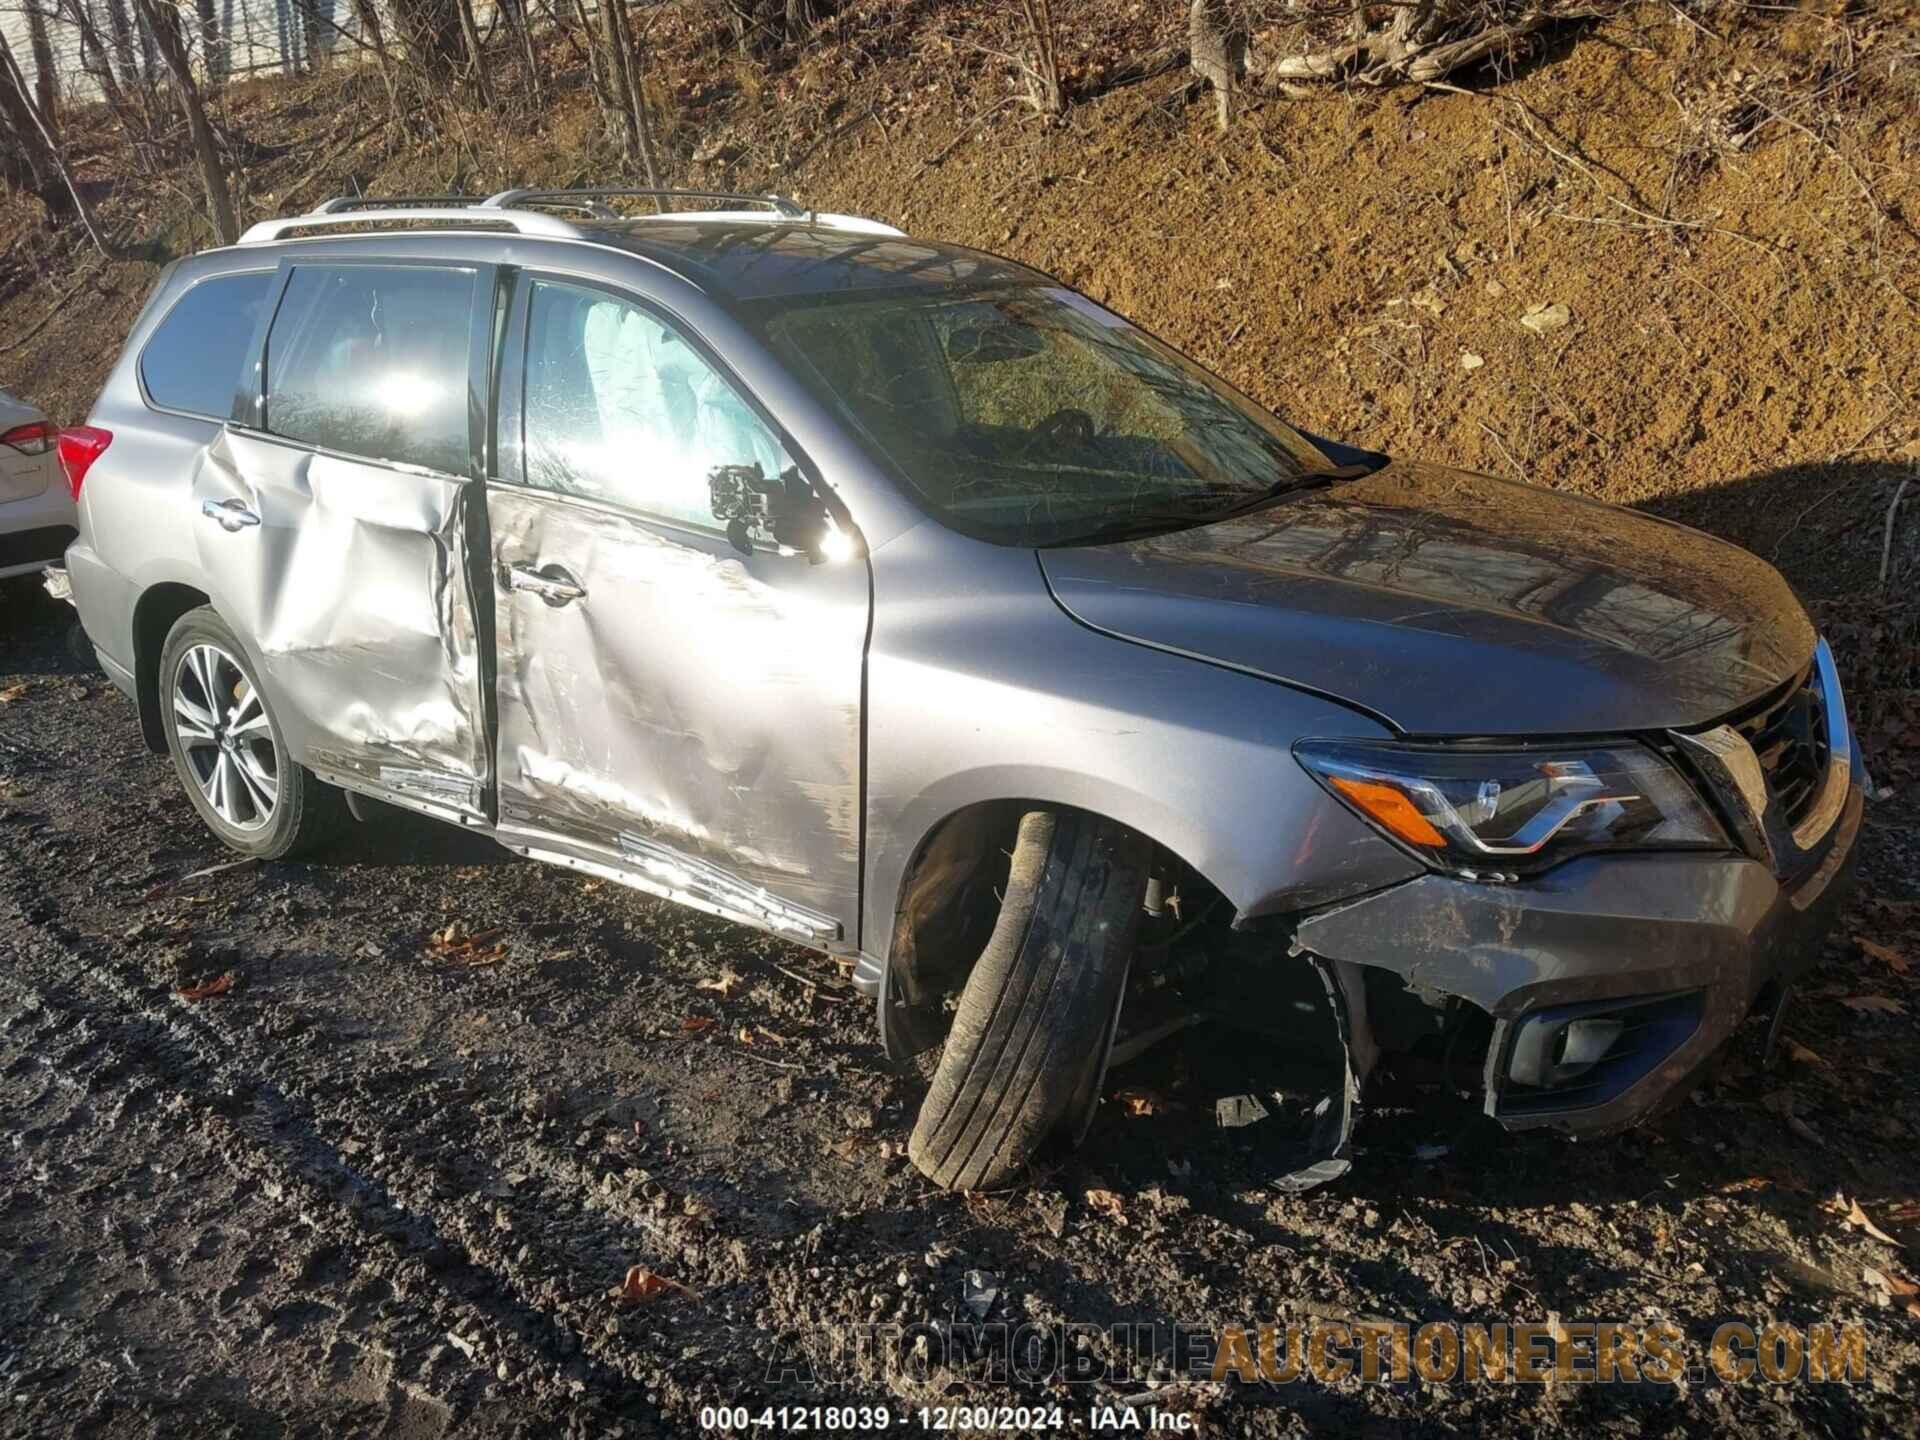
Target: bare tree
[[1217, 51], [1042, 68], [374, 35], [46, 83], [624, 73], [476, 54], [33, 159], [163, 20]]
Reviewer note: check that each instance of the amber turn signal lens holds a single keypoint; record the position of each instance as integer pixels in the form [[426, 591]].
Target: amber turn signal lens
[[1391, 808]]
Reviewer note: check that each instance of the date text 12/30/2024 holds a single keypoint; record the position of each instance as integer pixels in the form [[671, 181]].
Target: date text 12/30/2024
[[933, 1419]]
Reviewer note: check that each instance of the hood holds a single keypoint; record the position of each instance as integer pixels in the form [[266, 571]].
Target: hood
[[1456, 604]]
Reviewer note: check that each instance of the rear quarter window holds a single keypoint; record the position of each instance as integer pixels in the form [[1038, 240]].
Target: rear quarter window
[[193, 360], [372, 361]]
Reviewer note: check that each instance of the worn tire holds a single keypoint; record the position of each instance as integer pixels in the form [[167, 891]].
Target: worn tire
[[1035, 1022], [306, 811]]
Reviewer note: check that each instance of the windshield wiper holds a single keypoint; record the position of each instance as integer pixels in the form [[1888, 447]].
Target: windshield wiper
[[1144, 524]]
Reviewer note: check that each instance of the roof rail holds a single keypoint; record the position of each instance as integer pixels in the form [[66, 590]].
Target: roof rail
[[779, 204], [524, 222], [389, 202]]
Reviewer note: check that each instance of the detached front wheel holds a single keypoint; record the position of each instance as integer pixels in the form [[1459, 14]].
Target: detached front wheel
[[1035, 1023]]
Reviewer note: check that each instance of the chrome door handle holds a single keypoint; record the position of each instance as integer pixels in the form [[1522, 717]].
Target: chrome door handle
[[552, 584], [232, 514]]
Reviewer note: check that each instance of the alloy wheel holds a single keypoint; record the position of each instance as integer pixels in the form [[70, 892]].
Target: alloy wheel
[[226, 737]]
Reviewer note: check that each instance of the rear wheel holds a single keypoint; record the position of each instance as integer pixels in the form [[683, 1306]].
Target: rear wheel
[[227, 747], [1030, 1036]]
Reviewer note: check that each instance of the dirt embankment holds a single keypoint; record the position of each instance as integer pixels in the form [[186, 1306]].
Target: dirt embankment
[[370, 1187]]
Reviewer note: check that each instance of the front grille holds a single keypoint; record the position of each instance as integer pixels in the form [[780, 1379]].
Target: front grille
[[1789, 737]]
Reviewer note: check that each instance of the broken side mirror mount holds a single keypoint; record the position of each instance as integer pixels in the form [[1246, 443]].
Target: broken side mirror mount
[[782, 511]]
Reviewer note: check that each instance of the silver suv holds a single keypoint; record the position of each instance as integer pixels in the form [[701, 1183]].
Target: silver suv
[[901, 601]]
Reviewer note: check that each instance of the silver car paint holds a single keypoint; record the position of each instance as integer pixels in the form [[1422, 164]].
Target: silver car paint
[[978, 684], [694, 705], [351, 595], [979, 687]]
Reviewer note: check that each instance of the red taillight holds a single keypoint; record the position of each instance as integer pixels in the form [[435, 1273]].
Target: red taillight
[[34, 439], [80, 446]]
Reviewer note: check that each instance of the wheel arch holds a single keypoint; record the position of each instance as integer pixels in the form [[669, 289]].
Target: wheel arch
[[942, 908], [154, 614]]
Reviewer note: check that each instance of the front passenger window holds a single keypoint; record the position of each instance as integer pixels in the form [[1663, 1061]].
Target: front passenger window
[[621, 408]]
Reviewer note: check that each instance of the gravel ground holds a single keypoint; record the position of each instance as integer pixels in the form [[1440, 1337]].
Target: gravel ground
[[371, 1189]]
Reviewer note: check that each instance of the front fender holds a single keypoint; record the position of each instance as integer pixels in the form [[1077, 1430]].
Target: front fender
[[995, 694]]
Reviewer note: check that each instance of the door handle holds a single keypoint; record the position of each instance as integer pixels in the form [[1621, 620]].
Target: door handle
[[551, 583], [232, 514]]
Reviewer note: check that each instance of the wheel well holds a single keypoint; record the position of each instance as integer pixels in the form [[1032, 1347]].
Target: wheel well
[[950, 898], [153, 617]]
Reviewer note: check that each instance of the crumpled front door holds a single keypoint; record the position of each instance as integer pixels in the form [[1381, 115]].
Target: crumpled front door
[[348, 582], [677, 715]]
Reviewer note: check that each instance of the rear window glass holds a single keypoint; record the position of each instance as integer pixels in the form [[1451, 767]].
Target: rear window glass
[[193, 361], [372, 360]]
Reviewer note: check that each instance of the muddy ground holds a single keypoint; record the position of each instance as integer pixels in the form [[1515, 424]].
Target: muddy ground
[[369, 1190]]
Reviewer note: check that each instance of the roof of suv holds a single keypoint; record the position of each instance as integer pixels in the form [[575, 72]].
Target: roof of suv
[[761, 259]]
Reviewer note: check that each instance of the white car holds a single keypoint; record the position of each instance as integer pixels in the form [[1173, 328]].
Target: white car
[[37, 516]]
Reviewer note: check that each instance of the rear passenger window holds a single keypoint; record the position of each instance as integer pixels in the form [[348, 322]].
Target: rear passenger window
[[372, 360], [194, 359], [619, 407]]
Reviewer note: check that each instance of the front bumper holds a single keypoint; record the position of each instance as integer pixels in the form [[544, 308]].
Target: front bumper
[[1686, 943]]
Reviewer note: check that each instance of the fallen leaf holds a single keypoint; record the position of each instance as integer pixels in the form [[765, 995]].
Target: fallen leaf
[[1109, 1204], [642, 1285], [1542, 318], [726, 982], [697, 1024], [13, 692], [1470, 361], [1886, 954], [206, 990], [746, 1035], [1801, 1055], [1873, 1005], [1892, 1284], [1856, 1218], [458, 946], [1139, 1102], [1751, 1182]]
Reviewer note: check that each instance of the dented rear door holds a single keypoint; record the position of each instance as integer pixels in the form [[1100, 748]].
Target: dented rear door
[[333, 519], [672, 712]]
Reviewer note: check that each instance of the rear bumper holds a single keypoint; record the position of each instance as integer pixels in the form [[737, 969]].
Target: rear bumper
[[35, 532], [1668, 951]]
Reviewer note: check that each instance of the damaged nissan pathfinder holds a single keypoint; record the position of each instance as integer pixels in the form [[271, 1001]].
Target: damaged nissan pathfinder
[[905, 603]]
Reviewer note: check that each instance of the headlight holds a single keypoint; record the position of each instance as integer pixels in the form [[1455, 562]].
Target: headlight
[[1488, 811]]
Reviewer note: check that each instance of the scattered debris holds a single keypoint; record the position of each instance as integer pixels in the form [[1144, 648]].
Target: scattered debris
[[1873, 1005], [1886, 954], [1856, 1218], [1233, 1112], [457, 946], [978, 1292], [1138, 1101], [206, 990], [1108, 1203], [697, 1024], [726, 982], [1542, 318], [642, 1285]]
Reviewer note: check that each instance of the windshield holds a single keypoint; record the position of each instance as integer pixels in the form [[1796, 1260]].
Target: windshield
[[1031, 416]]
